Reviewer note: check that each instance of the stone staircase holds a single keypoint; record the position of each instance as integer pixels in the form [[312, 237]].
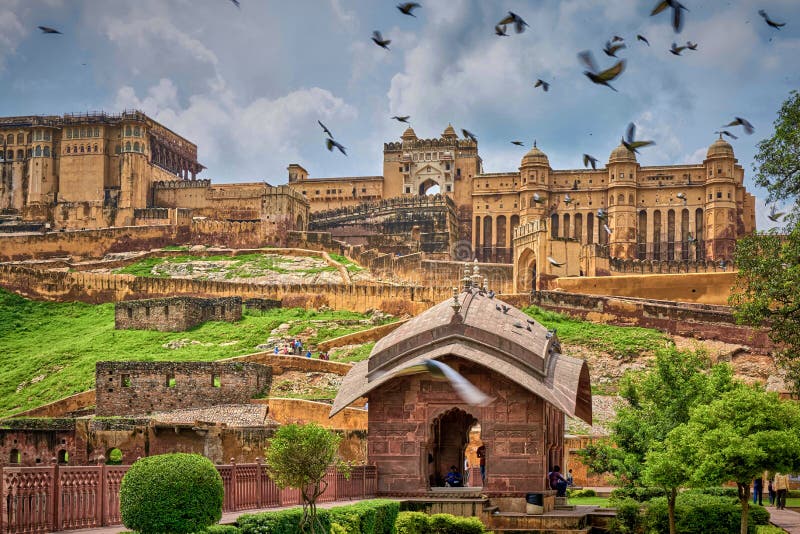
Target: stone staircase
[[568, 519]]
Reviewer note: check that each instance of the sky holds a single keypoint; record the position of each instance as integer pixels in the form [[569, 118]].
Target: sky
[[248, 84]]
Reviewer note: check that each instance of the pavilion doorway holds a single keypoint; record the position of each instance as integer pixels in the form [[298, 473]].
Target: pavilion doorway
[[449, 437]]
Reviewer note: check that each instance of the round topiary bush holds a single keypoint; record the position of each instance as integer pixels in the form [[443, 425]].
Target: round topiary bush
[[171, 493]]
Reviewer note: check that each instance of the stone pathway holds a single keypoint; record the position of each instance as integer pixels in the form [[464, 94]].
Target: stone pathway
[[227, 518], [785, 519]]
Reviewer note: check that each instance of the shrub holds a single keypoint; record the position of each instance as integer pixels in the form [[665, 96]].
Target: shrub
[[581, 493], [279, 522], [171, 493], [368, 517], [421, 523], [637, 493], [718, 491], [627, 520], [412, 523], [701, 513], [221, 529]]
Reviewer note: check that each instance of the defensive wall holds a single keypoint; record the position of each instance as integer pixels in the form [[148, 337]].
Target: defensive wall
[[97, 288], [701, 321], [175, 314]]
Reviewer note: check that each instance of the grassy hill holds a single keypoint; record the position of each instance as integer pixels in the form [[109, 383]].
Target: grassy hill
[[48, 350]]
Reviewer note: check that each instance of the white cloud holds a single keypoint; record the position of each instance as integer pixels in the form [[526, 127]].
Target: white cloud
[[11, 32], [345, 16]]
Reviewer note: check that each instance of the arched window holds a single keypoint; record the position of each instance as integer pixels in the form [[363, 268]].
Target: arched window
[[566, 225], [21, 139], [611, 200], [657, 235], [30, 138], [38, 151], [14, 457], [136, 131], [136, 146], [96, 131], [554, 225], [83, 132], [127, 146], [95, 148], [128, 130], [117, 149], [630, 199], [671, 235], [10, 139], [621, 199], [10, 154], [589, 228], [63, 456], [82, 148], [46, 152], [38, 135], [578, 233], [642, 235], [30, 153], [67, 149], [47, 135]]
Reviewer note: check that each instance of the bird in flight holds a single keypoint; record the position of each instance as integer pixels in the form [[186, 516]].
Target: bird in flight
[[378, 39], [628, 140], [725, 132], [617, 39], [407, 8], [518, 143], [602, 214], [325, 129], [537, 199], [676, 49], [331, 143], [774, 214], [744, 123], [692, 240], [677, 16], [500, 30], [543, 84], [607, 229], [236, 3], [587, 160], [48, 29], [463, 387], [567, 199], [554, 262], [691, 46], [643, 39], [402, 118], [516, 20], [611, 49], [772, 23], [600, 77], [469, 135], [682, 196]]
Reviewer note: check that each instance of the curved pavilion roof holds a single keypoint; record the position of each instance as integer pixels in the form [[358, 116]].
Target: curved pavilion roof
[[480, 332]]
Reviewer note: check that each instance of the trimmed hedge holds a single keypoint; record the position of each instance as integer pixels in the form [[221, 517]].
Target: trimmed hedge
[[367, 517], [698, 513], [628, 519], [176, 493], [280, 522], [586, 492], [421, 523], [221, 529]]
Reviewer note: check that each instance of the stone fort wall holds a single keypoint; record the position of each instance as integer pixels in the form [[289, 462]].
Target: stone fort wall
[[175, 314], [138, 388]]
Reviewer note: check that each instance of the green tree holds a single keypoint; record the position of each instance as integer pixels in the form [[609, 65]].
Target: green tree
[[658, 401], [298, 456], [777, 162], [737, 437]]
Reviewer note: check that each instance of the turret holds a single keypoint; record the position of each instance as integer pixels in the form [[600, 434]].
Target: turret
[[720, 200], [622, 167], [534, 172]]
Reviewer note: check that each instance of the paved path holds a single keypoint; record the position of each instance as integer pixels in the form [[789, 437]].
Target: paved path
[[228, 518], [786, 519]]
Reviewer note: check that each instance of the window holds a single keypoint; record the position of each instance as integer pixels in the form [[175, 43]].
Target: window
[[10, 139], [170, 381], [449, 188], [136, 131], [95, 148], [215, 381], [719, 194], [47, 135], [447, 166], [14, 457], [408, 190], [363, 189], [67, 150], [117, 149], [128, 131], [127, 146], [38, 135], [729, 194], [83, 132], [400, 169], [38, 151], [46, 152], [63, 456], [96, 131], [81, 149], [10, 154], [136, 146], [125, 380], [130, 313], [166, 311]]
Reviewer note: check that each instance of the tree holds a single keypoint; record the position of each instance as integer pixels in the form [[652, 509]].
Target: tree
[[777, 163], [657, 402], [737, 437], [298, 456]]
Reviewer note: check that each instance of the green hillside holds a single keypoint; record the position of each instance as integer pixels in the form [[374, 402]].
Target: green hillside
[[48, 350]]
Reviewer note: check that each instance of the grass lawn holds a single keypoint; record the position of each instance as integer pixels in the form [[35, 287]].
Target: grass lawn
[[620, 341], [243, 266], [49, 349], [593, 501]]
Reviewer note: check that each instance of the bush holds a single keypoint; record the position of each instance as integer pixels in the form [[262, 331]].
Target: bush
[[221, 529], [368, 517], [279, 522], [637, 493], [421, 523], [701, 513], [412, 523], [717, 491], [628, 518], [173, 493], [581, 493]]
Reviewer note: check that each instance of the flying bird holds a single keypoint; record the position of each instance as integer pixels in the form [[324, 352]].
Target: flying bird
[[725, 132], [692, 240], [628, 140], [677, 16], [537, 199], [617, 39], [643, 39], [567, 199], [48, 29], [378, 39], [236, 3], [543, 84], [774, 214], [607, 229], [407, 8], [516, 20], [325, 129], [691, 46], [600, 77], [611, 49], [330, 143], [554, 262], [744, 123], [469, 135], [500, 30], [587, 159], [601, 214], [518, 143], [463, 387], [676, 49], [682, 196], [772, 23], [402, 118]]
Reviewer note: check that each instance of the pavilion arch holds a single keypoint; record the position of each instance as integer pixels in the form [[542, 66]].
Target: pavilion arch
[[526, 268], [426, 186], [449, 436]]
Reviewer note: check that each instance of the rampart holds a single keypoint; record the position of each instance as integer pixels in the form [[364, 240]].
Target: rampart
[[137, 388], [701, 321], [175, 314]]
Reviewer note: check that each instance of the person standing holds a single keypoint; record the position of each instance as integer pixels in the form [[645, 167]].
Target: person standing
[[781, 485], [758, 489], [770, 491], [481, 452]]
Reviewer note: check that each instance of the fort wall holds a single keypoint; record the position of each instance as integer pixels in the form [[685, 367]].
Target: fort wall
[[175, 314]]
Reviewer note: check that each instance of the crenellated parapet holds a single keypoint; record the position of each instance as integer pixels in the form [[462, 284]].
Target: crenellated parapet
[[182, 184]]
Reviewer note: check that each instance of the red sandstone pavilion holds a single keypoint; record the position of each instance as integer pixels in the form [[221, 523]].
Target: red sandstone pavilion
[[418, 426]]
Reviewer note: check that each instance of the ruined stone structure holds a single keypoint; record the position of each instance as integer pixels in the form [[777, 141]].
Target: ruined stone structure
[[175, 314], [142, 388], [418, 426]]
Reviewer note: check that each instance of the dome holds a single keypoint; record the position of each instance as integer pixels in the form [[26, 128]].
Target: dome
[[535, 157], [720, 148], [409, 135], [449, 132], [621, 155]]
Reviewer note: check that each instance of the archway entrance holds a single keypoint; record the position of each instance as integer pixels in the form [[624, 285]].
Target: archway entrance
[[449, 437], [526, 271], [429, 187]]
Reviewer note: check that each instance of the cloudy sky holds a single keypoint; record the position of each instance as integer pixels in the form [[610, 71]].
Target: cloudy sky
[[248, 84]]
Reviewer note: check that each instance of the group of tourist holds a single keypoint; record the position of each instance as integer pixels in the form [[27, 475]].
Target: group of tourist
[[777, 489], [295, 347]]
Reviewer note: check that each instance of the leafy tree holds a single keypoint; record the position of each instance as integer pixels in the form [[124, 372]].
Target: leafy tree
[[737, 437], [298, 456], [658, 401], [777, 163]]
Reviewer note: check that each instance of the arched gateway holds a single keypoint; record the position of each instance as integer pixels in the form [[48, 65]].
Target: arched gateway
[[418, 426]]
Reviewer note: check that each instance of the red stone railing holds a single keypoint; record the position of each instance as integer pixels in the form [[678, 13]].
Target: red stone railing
[[58, 497]]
